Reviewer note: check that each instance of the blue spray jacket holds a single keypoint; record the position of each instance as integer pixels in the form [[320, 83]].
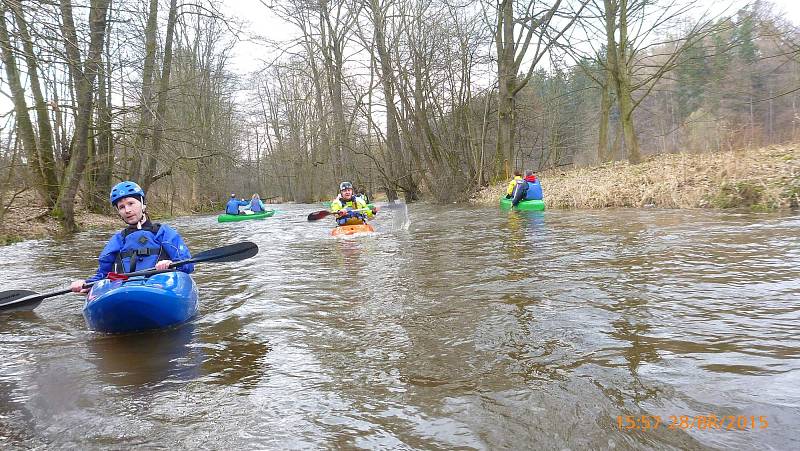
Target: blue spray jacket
[[146, 246], [232, 207]]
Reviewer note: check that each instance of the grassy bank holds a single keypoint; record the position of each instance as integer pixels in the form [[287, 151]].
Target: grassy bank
[[760, 179], [27, 219]]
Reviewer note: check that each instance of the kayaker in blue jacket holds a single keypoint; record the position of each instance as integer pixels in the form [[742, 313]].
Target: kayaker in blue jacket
[[142, 244], [256, 206], [232, 207], [534, 191]]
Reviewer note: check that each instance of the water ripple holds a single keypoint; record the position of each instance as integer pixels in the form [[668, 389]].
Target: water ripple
[[462, 328]]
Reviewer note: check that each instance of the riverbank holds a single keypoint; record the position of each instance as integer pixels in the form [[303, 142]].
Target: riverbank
[[762, 179], [26, 220]]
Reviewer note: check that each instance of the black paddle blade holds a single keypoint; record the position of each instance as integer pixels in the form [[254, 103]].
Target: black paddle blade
[[13, 296], [17, 300], [318, 215], [232, 253]]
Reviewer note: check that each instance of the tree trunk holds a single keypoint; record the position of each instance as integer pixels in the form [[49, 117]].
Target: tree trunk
[[103, 163], [146, 111], [163, 92], [605, 113], [25, 129], [394, 149], [324, 146], [617, 55], [506, 75], [45, 148], [83, 78]]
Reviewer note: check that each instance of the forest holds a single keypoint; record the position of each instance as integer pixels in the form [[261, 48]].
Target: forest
[[414, 99]]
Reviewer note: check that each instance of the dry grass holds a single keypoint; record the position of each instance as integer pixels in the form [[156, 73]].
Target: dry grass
[[761, 179]]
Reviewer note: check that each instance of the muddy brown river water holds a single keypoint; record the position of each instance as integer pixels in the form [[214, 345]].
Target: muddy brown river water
[[463, 328]]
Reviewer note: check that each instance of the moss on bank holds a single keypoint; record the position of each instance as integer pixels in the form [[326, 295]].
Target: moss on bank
[[761, 180]]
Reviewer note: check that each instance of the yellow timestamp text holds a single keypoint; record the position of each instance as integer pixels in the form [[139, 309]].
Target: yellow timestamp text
[[698, 422]]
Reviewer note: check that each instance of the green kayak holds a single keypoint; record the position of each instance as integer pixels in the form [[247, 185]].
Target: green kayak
[[525, 205], [244, 217]]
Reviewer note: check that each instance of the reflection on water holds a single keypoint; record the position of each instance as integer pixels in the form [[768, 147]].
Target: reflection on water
[[450, 327], [147, 358], [232, 358]]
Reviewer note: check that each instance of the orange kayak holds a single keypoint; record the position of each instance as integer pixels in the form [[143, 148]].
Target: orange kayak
[[351, 229]]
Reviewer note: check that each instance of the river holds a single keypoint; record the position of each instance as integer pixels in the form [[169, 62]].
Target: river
[[451, 327]]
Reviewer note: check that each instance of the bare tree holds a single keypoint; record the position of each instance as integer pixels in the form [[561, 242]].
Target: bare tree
[[83, 75], [38, 148], [512, 46]]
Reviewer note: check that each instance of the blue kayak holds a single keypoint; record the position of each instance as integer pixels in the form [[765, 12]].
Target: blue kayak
[[139, 304]]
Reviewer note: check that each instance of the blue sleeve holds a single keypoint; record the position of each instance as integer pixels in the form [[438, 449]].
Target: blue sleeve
[[262, 205], [173, 245], [107, 258]]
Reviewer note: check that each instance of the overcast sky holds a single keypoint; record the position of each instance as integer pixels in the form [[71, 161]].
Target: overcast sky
[[259, 20]]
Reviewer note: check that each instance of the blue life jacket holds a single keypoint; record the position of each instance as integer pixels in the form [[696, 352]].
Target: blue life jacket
[[139, 249], [232, 207], [255, 206], [534, 191]]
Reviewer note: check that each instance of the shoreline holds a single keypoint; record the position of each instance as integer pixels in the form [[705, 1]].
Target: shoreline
[[764, 179], [33, 223]]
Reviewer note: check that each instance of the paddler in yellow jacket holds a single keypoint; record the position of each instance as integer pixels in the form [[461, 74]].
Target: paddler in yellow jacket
[[350, 209], [513, 183]]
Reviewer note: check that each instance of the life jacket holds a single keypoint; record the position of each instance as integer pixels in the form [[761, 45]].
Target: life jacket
[[139, 249], [352, 217], [255, 206], [352, 203], [534, 191]]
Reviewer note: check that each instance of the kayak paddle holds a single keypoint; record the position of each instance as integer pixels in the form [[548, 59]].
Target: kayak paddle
[[28, 300], [324, 213]]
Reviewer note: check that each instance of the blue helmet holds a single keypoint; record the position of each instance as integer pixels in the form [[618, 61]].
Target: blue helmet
[[125, 189]]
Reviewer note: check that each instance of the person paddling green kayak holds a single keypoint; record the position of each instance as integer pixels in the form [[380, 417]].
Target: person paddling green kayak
[[232, 207], [143, 244]]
